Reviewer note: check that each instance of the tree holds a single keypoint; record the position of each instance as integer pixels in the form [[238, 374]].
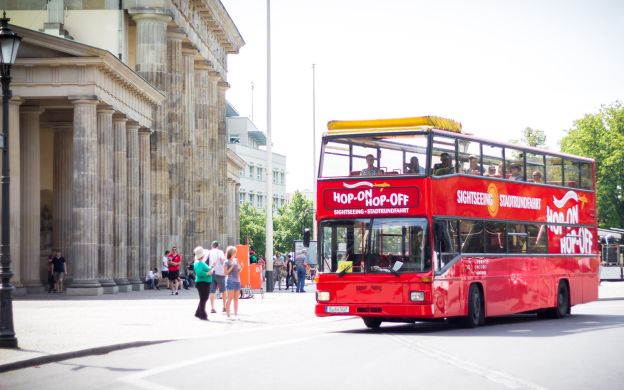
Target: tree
[[601, 137], [252, 227], [532, 137], [290, 221]]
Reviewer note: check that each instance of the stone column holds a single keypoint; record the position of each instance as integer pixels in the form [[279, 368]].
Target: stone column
[[30, 179], [237, 212], [201, 195], [105, 200], [224, 218], [62, 205], [15, 185], [151, 64], [132, 131], [213, 144], [174, 119], [188, 147], [146, 262], [84, 265], [120, 203]]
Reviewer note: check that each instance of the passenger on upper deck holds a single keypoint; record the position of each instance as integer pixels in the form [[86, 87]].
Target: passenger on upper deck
[[370, 170], [515, 172], [474, 168], [491, 171], [537, 177], [413, 168], [444, 167]]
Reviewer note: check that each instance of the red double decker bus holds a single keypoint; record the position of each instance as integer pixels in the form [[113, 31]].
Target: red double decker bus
[[418, 220]]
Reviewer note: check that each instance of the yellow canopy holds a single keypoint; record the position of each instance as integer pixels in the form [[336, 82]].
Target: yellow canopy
[[414, 123]]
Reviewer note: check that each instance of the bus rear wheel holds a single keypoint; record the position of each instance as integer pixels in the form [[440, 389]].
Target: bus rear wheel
[[476, 312], [563, 303], [372, 323]]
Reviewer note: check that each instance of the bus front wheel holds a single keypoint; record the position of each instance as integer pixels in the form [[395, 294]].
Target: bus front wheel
[[476, 312], [372, 323]]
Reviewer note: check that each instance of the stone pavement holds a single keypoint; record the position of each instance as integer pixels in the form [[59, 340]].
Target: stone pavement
[[54, 327]]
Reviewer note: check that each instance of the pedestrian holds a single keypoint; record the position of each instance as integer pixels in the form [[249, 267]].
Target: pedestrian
[[217, 261], [174, 270], [233, 286], [59, 266], [290, 271], [203, 280], [151, 279], [164, 270], [278, 265], [262, 267], [51, 272], [301, 262]]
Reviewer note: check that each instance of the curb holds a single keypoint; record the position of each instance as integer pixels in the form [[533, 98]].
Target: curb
[[75, 354]]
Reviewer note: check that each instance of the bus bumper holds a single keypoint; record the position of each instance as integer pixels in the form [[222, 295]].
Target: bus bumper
[[415, 311]]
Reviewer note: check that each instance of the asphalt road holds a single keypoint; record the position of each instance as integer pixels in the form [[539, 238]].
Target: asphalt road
[[584, 351]]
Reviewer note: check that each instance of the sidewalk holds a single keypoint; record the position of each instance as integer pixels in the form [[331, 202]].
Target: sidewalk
[[54, 327], [49, 325]]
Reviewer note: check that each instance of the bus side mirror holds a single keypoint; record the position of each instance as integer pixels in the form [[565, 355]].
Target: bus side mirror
[[306, 237]]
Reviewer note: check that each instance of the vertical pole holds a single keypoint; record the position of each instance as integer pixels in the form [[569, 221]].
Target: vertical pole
[[7, 333], [268, 253], [314, 232]]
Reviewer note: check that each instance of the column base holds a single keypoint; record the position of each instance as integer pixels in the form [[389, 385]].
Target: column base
[[84, 291], [35, 289], [123, 285], [19, 291], [109, 286], [8, 342], [138, 287]]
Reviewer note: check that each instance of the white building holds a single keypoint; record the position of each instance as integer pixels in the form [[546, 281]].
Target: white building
[[245, 139]]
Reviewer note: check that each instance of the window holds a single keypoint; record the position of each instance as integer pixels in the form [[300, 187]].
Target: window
[[259, 173], [242, 172], [470, 157], [571, 173], [471, 236], [493, 161], [251, 171], [446, 239], [537, 237], [586, 177], [335, 160], [241, 197], [517, 238], [554, 170], [535, 168], [514, 159], [495, 237], [443, 156]]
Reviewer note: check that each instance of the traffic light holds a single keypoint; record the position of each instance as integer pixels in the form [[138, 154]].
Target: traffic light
[[306, 237]]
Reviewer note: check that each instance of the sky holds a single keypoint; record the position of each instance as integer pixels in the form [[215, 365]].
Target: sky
[[495, 66]]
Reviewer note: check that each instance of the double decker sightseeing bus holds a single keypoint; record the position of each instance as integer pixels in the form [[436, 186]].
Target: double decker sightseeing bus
[[418, 220]]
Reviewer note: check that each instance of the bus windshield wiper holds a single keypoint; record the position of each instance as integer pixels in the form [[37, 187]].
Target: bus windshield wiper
[[344, 270]]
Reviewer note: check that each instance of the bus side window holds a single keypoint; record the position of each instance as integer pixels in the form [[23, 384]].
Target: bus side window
[[445, 246]]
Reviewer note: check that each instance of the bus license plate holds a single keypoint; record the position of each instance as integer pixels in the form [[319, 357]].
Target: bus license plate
[[336, 309]]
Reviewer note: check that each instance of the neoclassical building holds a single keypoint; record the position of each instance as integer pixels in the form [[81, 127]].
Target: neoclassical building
[[117, 137]]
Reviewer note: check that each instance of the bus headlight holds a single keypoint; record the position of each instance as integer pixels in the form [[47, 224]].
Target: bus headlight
[[417, 296], [322, 296]]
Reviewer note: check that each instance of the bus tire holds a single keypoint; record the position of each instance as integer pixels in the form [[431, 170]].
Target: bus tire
[[372, 322], [476, 312], [563, 302]]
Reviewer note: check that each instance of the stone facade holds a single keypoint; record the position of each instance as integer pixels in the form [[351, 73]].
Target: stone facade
[[137, 153]]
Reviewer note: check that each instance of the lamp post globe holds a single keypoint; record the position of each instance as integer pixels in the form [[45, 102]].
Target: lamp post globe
[[9, 44]]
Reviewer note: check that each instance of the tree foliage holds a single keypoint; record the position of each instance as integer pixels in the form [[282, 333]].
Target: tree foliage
[[252, 227], [288, 224], [291, 220], [532, 137], [601, 137]]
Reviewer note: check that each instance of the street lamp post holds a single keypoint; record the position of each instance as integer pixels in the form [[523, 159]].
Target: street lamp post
[[9, 44]]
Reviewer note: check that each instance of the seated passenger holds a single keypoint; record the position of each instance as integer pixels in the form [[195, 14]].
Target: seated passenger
[[370, 170], [474, 168], [491, 171], [537, 177], [444, 167], [413, 168], [515, 172]]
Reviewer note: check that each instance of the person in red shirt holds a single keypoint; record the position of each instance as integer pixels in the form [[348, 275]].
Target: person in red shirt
[[174, 270]]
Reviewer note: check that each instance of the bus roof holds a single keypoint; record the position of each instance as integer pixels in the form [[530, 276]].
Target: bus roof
[[382, 125]]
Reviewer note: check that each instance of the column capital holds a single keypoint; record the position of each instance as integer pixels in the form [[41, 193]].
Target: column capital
[[176, 34], [145, 131], [105, 109], [83, 99], [214, 76], [223, 85], [35, 110], [16, 101], [118, 117], [189, 51], [203, 65], [61, 127], [132, 125], [150, 14]]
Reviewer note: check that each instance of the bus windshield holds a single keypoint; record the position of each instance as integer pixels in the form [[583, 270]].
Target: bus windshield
[[377, 245], [384, 154]]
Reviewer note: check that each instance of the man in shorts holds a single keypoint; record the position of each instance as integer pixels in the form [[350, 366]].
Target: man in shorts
[[174, 270], [216, 257]]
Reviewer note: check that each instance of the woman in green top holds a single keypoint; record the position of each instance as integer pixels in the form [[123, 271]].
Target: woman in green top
[[203, 278]]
